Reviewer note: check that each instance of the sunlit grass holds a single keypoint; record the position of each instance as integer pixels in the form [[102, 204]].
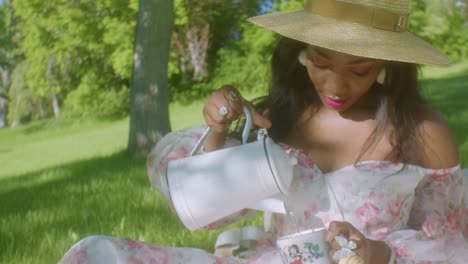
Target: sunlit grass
[[22, 151], [62, 181], [43, 213]]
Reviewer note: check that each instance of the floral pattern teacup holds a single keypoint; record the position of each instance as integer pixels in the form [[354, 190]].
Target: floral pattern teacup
[[304, 247]]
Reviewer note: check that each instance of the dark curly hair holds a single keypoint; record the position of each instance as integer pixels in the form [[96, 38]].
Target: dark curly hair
[[291, 92]]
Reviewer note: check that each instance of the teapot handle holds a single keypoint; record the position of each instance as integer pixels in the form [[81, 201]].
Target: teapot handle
[[245, 132]]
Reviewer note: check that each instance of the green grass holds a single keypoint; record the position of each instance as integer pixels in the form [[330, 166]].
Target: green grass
[[446, 90], [61, 181]]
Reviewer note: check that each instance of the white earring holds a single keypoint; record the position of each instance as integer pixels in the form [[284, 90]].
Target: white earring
[[381, 77], [302, 58]]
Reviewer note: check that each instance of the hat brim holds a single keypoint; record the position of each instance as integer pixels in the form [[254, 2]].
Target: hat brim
[[351, 38]]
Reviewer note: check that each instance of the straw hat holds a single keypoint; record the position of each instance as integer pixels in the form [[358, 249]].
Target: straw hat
[[367, 28]]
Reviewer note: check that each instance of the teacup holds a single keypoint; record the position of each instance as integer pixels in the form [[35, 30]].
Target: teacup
[[304, 247]]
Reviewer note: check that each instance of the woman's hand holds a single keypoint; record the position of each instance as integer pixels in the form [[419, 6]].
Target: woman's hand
[[224, 106], [371, 251]]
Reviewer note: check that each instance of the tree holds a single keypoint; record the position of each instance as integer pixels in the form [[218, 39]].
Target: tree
[[202, 27], [149, 98], [79, 54], [443, 23], [7, 57], [202, 30]]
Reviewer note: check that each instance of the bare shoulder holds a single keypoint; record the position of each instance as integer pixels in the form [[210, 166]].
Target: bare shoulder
[[439, 148]]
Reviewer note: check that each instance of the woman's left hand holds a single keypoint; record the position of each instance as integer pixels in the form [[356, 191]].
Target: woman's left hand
[[371, 251]]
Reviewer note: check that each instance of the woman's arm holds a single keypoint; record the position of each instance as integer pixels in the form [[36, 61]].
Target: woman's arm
[[436, 222], [437, 216], [435, 225], [230, 99]]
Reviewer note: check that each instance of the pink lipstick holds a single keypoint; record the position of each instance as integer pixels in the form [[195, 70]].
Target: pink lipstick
[[335, 103]]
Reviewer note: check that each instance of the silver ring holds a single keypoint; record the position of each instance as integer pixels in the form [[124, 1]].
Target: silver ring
[[343, 253], [346, 250], [223, 110], [233, 96]]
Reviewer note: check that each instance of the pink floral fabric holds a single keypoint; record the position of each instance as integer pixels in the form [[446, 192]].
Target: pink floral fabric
[[419, 212], [103, 249]]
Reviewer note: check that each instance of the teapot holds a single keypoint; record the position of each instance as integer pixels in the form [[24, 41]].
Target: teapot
[[207, 187]]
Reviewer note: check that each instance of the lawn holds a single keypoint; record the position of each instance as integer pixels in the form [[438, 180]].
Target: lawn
[[446, 90], [62, 181]]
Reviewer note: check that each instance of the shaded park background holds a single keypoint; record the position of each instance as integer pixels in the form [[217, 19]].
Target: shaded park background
[[66, 77]]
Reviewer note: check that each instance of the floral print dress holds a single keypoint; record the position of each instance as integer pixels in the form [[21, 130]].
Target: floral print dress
[[419, 212]]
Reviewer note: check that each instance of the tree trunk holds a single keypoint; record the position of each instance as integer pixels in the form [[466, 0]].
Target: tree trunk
[[4, 84], [5, 76], [41, 110], [3, 112], [192, 42], [198, 40], [55, 105], [149, 96]]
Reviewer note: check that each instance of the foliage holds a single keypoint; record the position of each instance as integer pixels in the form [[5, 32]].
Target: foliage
[[245, 63], [443, 24], [88, 99], [288, 5], [201, 28], [4, 38], [9, 56], [79, 48], [8, 37], [23, 103], [226, 21]]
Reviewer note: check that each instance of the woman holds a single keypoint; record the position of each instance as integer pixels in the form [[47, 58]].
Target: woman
[[376, 166]]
